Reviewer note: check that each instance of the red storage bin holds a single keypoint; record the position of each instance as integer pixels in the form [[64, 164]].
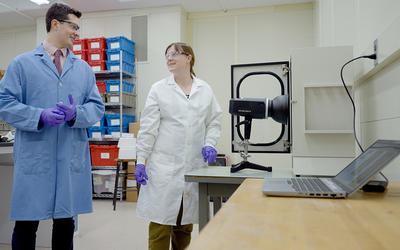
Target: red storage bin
[[101, 85], [97, 65], [96, 43], [97, 55], [81, 54], [79, 45], [104, 155]]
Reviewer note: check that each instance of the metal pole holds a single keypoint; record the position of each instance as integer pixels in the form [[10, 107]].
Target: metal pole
[[120, 92]]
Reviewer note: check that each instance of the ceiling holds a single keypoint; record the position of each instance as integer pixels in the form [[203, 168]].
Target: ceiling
[[23, 12]]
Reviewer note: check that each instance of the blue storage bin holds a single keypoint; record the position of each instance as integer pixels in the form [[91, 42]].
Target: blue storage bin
[[113, 86], [120, 42], [113, 56], [114, 66], [96, 132], [111, 130], [113, 120]]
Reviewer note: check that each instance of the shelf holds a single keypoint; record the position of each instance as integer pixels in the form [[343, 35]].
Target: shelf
[[107, 74], [326, 85], [109, 196], [103, 141], [322, 131], [116, 105], [107, 168]]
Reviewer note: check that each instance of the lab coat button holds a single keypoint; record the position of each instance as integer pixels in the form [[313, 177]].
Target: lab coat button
[[60, 83]]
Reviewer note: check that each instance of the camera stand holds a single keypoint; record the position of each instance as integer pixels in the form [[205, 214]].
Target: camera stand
[[244, 154]]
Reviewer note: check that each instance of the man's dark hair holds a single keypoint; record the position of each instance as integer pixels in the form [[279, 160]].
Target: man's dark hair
[[59, 12]]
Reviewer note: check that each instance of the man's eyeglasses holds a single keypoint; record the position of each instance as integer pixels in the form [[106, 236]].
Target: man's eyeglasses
[[73, 25], [174, 53]]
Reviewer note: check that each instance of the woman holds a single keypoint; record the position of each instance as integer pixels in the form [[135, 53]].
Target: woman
[[178, 132]]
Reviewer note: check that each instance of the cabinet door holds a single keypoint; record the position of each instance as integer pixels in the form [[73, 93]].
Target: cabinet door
[[322, 111]]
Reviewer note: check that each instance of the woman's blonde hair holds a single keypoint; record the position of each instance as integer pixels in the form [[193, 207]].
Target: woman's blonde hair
[[183, 47]]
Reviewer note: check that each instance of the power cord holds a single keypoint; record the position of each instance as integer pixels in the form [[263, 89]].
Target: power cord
[[373, 57]]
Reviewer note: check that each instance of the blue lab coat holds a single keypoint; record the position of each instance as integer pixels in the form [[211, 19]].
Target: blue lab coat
[[52, 169]]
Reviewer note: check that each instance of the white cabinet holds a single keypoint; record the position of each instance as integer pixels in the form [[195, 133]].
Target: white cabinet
[[322, 114]]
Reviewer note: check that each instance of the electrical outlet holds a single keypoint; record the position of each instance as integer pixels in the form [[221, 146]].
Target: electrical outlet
[[376, 51]]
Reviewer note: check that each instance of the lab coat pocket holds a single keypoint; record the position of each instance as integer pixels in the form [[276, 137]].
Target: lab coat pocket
[[34, 158], [161, 168], [80, 156]]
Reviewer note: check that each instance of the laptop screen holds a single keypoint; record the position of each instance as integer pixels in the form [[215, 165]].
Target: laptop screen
[[367, 164]]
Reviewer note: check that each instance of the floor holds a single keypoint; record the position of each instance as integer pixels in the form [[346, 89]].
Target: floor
[[106, 229]]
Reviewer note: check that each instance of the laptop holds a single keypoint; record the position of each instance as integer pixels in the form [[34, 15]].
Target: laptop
[[346, 182]]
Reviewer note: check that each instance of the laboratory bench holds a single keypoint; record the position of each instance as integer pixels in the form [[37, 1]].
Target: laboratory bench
[[219, 182], [252, 220]]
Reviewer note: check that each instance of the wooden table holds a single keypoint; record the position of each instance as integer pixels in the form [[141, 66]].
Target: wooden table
[[251, 220], [218, 182]]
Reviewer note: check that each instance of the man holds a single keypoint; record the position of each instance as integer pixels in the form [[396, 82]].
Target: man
[[50, 97]]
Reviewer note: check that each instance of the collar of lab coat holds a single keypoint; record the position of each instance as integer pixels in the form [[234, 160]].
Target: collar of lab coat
[[45, 58], [197, 84]]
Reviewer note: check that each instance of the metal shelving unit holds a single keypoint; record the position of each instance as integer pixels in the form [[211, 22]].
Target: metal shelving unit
[[124, 103]]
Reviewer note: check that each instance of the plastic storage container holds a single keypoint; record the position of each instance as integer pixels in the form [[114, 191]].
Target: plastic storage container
[[114, 131], [96, 55], [113, 120], [82, 54], [114, 56], [114, 44], [96, 132], [104, 155], [97, 65], [96, 43], [113, 86], [79, 45], [104, 181], [101, 86], [115, 66]]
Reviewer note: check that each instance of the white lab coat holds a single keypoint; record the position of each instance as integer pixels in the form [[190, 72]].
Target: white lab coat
[[173, 131]]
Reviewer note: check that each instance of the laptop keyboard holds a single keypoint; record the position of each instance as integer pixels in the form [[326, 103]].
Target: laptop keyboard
[[308, 185]]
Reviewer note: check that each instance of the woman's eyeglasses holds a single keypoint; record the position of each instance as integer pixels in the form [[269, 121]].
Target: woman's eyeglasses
[[174, 53], [73, 25]]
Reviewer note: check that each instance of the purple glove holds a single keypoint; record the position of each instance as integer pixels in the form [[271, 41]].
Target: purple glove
[[140, 174], [52, 117], [68, 110], [209, 153]]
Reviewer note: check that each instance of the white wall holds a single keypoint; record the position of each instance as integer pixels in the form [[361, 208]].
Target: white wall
[[353, 22], [241, 36], [377, 89], [14, 42]]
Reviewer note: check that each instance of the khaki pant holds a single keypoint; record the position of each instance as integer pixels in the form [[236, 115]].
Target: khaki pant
[[161, 235], [179, 235]]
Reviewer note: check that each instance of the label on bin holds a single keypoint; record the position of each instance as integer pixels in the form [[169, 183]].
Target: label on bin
[[97, 124], [114, 122], [95, 45], [115, 45], [96, 134], [105, 156], [115, 68], [77, 47], [96, 68], [114, 99], [115, 134], [114, 57], [114, 88], [94, 57]]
